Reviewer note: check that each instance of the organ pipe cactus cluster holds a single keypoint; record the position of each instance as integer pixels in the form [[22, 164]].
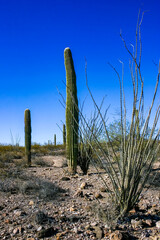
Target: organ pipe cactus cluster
[[71, 112], [27, 121]]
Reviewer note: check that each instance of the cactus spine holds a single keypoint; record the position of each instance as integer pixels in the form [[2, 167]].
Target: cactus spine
[[54, 139], [71, 112], [27, 121], [64, 134]]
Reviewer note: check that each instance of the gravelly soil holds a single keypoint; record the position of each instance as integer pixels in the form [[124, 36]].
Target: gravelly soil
[[44, 202]]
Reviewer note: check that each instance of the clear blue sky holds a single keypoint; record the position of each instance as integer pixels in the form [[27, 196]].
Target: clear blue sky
[[33, 35]]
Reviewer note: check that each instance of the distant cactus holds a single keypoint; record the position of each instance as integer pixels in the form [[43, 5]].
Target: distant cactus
[[54, 139], [27, 121], [71, 112], [64, 134]]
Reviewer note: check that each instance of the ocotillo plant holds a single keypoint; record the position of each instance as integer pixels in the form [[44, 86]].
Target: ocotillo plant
[[27, 121], [139, 147], [54, 139], [71, 112], [64, 134]]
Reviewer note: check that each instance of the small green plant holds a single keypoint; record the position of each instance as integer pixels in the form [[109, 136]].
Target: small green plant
[[71, 113], [27, 120]]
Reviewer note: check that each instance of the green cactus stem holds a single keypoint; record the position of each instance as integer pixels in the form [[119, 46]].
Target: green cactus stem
[[27, 121], [64, 134], [54, 139], [71, 112]]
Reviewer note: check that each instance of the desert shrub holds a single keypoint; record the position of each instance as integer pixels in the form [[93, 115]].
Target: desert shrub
[[9, 153], [88, 130], [84, 156]]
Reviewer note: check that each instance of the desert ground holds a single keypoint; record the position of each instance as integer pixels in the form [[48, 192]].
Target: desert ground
[[45, 202]]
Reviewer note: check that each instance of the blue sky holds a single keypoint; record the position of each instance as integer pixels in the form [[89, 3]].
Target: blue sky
[[33, 35]]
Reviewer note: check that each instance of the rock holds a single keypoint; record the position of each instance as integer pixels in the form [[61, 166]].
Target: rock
[[98, 231], [18, 230], [132, 211], [93, 224], [15, 231], [39, 229], [18, 213], [158, 224], [72, 209], [98, 196], [65, 179], [59, 235], [118, 235], [31, 203], [103, 189], [149, 222], [83, 185], [10, 229], [76, 176], [136, 223], [47, 232], [87, 227], [75, 230]]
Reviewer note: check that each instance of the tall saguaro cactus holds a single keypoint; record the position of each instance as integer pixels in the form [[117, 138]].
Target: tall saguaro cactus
[[64, 134], [71, 112], [27, 121]]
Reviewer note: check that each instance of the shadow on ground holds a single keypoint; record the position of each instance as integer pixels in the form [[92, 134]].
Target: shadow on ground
[[16, 181]]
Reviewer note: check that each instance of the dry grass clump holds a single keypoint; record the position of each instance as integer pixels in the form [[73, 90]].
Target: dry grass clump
[[9, 153]]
